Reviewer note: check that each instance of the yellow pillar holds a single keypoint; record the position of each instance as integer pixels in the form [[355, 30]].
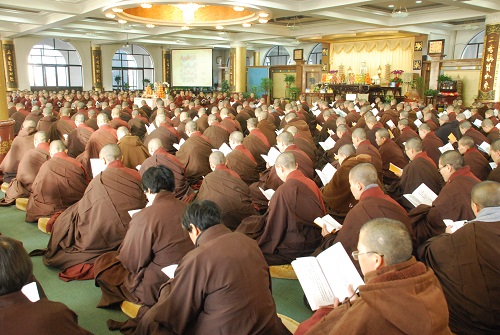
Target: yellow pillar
[[489, 82], [96, 68], [4, 112], [166, 66], [240, 69], [256, 58]]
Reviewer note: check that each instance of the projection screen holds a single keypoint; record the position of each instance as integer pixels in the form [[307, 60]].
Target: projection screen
[[192, 67]]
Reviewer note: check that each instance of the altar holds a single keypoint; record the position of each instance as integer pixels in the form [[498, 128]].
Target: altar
[[150, 101], [370, 91]]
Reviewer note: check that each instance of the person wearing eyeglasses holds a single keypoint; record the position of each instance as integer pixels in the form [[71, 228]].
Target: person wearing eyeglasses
[[400, 295], [453, 202]]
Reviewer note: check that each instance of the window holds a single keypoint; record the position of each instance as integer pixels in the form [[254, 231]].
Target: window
[[277, 56], [316, 54], [54, 63], [131, 65], [474, 48]]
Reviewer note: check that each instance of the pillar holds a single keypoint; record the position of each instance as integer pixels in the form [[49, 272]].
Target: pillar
[[256, 58], [435, 68], [4, 113], [238, 70], [166, 66], [489, 82], [96, 67], [299, 73]]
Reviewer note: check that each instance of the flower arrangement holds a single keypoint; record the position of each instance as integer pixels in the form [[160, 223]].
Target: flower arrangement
[[396, 79], [334, 71], [397, 72]]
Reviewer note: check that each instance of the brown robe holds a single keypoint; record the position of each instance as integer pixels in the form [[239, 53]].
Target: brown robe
[[493, 135], [241, 161], [352, 117], [78, 139], [431, 144], [167, 135], [466, 263], [365, 147], [20, 146], [116, 123], [202, 123], [133, 151], [162, 157], [138, 127], [453, 202], [230, 124], [19, 118], [226, 281], [45, 124], [283, 233], [217, 134], [495, 175], [153, 241], [104, 135], [92, 122], [63, 126], [390, 152], [224, 187], [34, 116], [476, 135], [405, 135], [194, 154], [98, 222], [60, 183], [479, 165], [258, 144], [302, 127], [269, 131], [20, 187]]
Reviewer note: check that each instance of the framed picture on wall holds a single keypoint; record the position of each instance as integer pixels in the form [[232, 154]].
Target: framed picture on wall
[[417, 65], [298, 54], [418, 46], [436, 47]]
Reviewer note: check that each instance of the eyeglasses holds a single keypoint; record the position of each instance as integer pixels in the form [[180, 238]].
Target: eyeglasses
[[442, 167], [355, 254]]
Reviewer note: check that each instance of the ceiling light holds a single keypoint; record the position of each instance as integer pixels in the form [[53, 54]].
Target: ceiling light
[[150, 25], [399, 11], [219, 27], [263, 14], [188, 10], [239, 8], [263, 20], [146, 5], [122, 21], [418, 1], [110, 15], [185, 28], [391, 6], [247, 25], [117, 10]]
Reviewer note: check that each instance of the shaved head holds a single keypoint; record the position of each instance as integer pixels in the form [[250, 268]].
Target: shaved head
[[154, 144], [57, 146], [292, 130], [286, 160], [41, 136], [364, 173], [286, 138], [121, 132], [236, 136], [216, 158], [110, 153], [486, 194]]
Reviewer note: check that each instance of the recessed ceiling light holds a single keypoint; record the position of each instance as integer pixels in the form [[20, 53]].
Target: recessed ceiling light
[[146, 5], [418, 1], [263, 20], [263, 14], [247, 25], [117, 10], [122, 21], [391, 6], [150, 25], [239, 8], [110, 15], [185, 28], [219, 27]]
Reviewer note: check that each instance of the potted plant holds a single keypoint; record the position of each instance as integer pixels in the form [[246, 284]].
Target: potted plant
[[443, 77], [118, 80], [225, 86], [289, 80], [294, 93], [145, 82], [396, 80], [431, 93], [267, 85]]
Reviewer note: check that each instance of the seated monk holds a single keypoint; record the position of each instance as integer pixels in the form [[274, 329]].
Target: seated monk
[[21, 186], [228, 121], [390, 152], [421, 169], [492, 132], [167, 134], [46, 122], [363, 146], [78, 137], [21, 144], [225, 279], [216, 132], [373, 204], [416, 305], [479, 166], [430, 142], [495, 156], [291, 119], [153, 241], [133, 151], [19, 315], [405, 133], [303, 144], [257, 143], [241, 160], [266, 127], [98, 222], [224, 187], [116, 121], [337, 193], [466, 264], [453, 202], [64, 126], [283, 233], [466, 129], [194, 154], [60, 183], [138, 124]]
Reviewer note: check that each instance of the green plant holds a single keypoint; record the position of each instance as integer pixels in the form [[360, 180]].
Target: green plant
[[289, 80], [418, 83], [225, 86], [294, 93], [443, 77], [430, 93], [246, 95], [118, 79], [126, 86], [146, 81], [266, 84], [254, 89]]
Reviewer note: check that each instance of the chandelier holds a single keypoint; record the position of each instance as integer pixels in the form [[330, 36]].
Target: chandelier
[[400, 11]]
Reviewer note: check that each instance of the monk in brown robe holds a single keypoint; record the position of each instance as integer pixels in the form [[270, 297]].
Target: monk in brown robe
[[229, 123], [466, 264], [116, 121], [373, 204], [78, 137], [153, 241], [421, 169], [133, 151], [194, 154], [466, 129], [216, 132], [453, 202], [224, 187], [20, 316], [64, 126], [21, 186], [20, 146], [283, 233], [165, 132], [405, 133], [159, 156], [390, 152], [257, 143], [98, 222], [45, 124], [363, 146], [239, 302], [241, 160], [291, 119], [138, 124], [266, 127], [303, 144], [492, 132], [35, 114], [416, 306], [479, 166], [495, 156], [60, 183], [19, 117], [431, 143]]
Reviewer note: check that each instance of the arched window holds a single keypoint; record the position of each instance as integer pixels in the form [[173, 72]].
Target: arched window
[[53, 63], [131, 65], [316, 54], [474, 48], [277, 55]]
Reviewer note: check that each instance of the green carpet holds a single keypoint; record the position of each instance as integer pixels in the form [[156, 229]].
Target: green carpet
[[83, 296]]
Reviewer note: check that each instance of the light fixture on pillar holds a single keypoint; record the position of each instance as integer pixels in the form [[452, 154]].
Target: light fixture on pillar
[[110, 15], [219, 27], [263, 20], [188, 10], [146, 5], [399, 11], [247, 25], [117, 10]]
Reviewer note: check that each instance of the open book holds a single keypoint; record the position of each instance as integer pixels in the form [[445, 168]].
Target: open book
[[327, 276], [417, 123], [478, 123], [178, 145], [396, 169], [326, 174], [452, 138], [467, 113], [97, 166], [224, 148], [390, 124], [170, 270], [330, 223], [419, 115], [271, 156], [454, 225], [485, 147], [30, 291], [328, 144], [422, 195], [150, 128], [267, 193], [446, 147]]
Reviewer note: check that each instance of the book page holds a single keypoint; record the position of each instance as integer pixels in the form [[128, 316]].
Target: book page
[[454, 225], [412, 199], [339, 270], [267, 193], [423, 195], [225, 149], [97, 166], [467, 113], [446, 147], [478, 123], [374, 112], [452, 138], [417, 123], [327, 173], [313, 282], [150, 128], [419, 115], [330, 223], [31, 292], [493, 165], [316, 112], [271, 156], [318, 126], [356, 108], [390, 124], [178, 145], [485, 147], [328, 144], [170, 270], [395, 169]]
